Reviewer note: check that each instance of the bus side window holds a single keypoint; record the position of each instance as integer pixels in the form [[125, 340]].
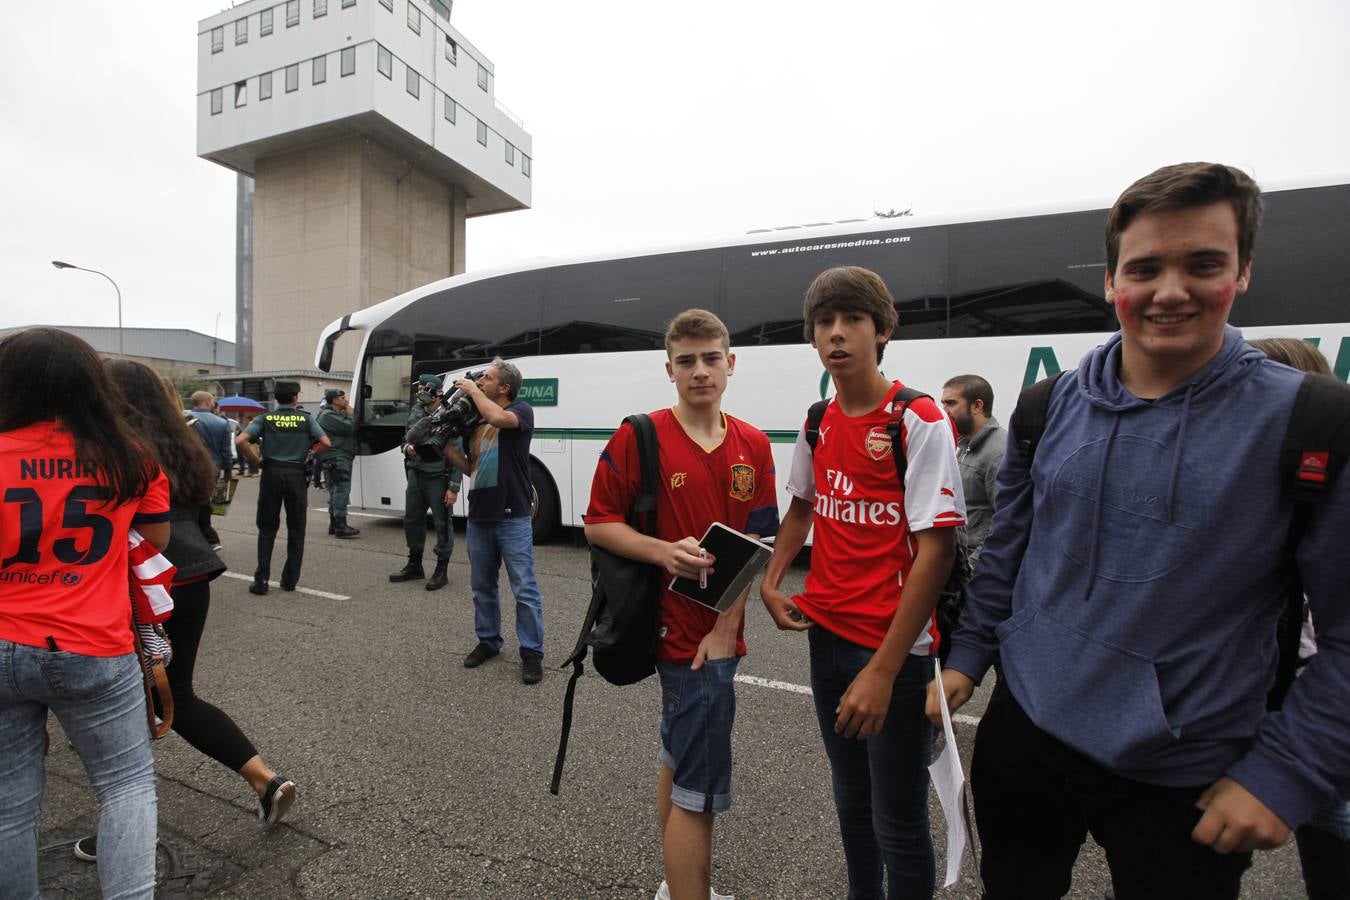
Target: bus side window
[[385, 390], [1031, 275]]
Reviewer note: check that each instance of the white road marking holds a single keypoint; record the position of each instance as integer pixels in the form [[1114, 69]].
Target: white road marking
[[324, 509], [776, 685], [299, 590], [962, 718]]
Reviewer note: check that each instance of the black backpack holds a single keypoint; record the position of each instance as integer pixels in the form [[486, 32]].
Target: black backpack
[[620, 629], [952, 600], [1314, 450]]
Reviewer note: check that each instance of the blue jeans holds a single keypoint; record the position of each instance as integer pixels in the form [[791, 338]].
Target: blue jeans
[[881, 783], [698, 708], [100, 703], [491, 543]]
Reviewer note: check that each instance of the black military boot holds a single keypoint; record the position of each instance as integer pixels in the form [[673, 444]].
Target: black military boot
[[343, 530], [413, 571], [332, 524], [438, 578]]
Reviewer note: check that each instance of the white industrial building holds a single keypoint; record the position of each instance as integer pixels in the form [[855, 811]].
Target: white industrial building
[[364, 133]]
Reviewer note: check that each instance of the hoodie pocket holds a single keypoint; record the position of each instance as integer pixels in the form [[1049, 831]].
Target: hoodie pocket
[[1102, 700]]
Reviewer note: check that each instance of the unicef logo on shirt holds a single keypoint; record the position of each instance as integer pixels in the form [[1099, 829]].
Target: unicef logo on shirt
[[70, 579]]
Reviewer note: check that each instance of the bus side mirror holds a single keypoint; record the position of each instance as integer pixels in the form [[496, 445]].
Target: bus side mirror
[[366, 392]]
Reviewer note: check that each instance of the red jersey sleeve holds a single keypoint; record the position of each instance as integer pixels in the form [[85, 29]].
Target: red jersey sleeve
[[617, 479], [763, 519], [154, 505], [933, 495]]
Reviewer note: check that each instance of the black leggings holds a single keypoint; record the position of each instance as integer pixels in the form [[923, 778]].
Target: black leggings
[[199, 723]]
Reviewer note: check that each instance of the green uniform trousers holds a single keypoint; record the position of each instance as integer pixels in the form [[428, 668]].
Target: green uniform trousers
[[426, 492], [338, 472]]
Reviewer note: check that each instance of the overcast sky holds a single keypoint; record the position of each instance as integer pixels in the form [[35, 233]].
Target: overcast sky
[[657, 123]]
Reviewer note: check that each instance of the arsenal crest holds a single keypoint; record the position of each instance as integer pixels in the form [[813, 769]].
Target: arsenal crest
[[878, 443], [742, 482]]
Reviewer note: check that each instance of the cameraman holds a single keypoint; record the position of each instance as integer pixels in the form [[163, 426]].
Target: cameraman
[[431, 485], [499, 517]]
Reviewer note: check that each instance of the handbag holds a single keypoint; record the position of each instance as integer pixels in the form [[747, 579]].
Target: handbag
[[148, 591], [154, 653], [223, 495]]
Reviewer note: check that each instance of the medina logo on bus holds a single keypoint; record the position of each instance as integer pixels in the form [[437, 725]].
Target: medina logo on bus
[[539, 391]]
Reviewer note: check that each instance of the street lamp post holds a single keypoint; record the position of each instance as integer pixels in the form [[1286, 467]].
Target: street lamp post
[[65, 265]]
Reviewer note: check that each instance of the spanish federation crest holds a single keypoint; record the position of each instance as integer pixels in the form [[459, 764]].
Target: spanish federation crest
[[742, 482], [878, 443]]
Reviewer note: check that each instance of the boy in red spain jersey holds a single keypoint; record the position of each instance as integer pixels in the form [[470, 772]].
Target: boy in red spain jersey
[[713, 468], [880, 558]]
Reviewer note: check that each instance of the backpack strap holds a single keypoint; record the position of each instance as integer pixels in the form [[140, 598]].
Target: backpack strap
[[813, 417], [895, 428], [1312, 454], [1030, 416], [642, 517]]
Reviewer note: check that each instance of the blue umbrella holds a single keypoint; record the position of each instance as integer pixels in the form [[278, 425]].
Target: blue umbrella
[[240, 404]]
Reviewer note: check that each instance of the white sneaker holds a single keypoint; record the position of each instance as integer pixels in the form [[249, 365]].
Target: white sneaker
[[663, 893]]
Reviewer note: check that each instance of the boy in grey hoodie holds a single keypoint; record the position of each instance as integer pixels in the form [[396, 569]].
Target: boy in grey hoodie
[[1131, 583]]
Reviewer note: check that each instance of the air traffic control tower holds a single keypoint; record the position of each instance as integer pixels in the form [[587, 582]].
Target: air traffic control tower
[[364, 133]]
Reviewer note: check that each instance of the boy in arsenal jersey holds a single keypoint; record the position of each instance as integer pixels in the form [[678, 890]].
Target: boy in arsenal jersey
[[713, 468], [882, 552]]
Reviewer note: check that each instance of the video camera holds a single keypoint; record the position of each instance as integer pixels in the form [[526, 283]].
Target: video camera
[[458, 416]]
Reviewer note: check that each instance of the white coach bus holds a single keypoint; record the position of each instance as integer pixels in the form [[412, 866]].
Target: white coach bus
[[1010, 298]]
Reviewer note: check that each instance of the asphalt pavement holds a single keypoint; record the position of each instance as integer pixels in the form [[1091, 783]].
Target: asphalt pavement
[[420, 778]]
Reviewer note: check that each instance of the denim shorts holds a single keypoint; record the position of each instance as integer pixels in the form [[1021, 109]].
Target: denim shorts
[[698, 708]]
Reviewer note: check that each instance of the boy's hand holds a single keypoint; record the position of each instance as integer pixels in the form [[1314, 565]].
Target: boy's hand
[[716, 644], [1235, 821], [958, 688], [682, 559], [862, 709], [785, 613]]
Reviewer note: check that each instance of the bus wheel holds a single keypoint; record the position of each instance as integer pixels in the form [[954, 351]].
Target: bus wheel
[[544, 504]]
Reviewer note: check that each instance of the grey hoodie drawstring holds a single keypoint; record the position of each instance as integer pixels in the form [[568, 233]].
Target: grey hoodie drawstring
[[1097, 508], [1176, 454]]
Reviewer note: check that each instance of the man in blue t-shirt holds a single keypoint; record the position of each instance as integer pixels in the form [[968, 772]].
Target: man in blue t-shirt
[[499, 528]]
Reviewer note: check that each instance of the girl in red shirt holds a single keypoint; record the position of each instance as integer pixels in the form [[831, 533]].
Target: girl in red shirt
[[73, 481]]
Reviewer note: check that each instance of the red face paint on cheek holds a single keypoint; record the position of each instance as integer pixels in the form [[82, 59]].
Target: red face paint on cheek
[[1225, 295], [1124, 301]]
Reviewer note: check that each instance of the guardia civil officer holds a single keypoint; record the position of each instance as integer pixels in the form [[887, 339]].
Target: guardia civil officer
[[286, 435], [336, 421], [432, 486]]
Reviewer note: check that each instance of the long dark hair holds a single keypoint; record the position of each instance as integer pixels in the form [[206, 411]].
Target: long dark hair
[[154, 413], [48, 375]]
